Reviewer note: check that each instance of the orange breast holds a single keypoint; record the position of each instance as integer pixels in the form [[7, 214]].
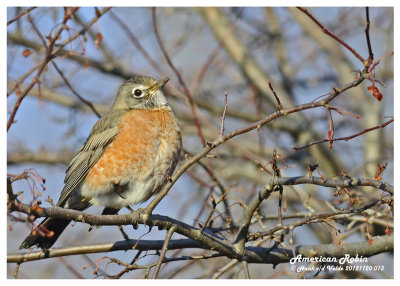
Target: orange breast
[[134, 150]]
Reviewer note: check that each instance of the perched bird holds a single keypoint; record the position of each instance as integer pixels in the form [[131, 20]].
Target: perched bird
[[129, 155]]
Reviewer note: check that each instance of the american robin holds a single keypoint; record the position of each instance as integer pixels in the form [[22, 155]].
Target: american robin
[[126, 159]]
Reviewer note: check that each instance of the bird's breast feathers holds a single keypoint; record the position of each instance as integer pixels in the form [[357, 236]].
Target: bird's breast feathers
[[137, 162]]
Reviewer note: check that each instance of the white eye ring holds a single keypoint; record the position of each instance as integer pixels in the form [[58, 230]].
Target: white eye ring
[[137, 93]]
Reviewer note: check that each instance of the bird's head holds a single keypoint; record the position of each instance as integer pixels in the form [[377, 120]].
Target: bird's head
[[141, 92]]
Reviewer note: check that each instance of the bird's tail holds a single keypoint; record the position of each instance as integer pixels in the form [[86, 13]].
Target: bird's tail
[[46, 234]]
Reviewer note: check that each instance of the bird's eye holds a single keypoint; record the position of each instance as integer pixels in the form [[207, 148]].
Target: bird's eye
[[137, 92]]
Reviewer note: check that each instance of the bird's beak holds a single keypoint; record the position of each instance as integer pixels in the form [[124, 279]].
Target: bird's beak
[[158, 85], [162, 82]]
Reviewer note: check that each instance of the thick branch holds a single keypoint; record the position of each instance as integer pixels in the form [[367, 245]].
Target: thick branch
[[162, 222], [197, 239], [280, 255], [253, 254], [334, 183], [131, 244]]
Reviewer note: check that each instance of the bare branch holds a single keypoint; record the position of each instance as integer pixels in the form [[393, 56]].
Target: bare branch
[[255, 254], [50, 54], [347, 138], [370, 53], [135, 41], [20, 15], [223, 115], [163, 251], [180, 78], [326, 31], [86, 102]]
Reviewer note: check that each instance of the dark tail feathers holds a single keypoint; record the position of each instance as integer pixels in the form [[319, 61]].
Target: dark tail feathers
[[57, 226]]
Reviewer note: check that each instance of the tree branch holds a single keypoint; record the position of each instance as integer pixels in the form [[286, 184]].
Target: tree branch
[[335, 183], [253, 254], [197, 237], [27, 11], [329, 33]]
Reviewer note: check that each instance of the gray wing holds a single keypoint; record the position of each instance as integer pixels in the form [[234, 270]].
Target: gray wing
[[100, 138]]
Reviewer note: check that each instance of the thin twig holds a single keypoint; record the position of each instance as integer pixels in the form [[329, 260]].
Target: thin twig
[[70, 267], [326, 31], [163, 251], [103, 67], [204, 68], [108, 54], [20, 15], [245, 266], [51, 54], [370, 53], [347, 138], [46, 60], [223, 115], [228, 218], [225, 268], [323, 217], [135, 41], [342, 111], [279, 107], [87, 102], [21, 79], [181, 81], [124, 234], [81, 32], [280, 206], [331, 130], [214, 206], [37, 31], [340, 214], [16, 270], [210, 59]]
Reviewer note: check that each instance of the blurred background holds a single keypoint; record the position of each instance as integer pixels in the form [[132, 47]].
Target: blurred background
[[216, 51]]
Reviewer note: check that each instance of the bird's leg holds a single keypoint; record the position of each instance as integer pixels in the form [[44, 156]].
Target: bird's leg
[[131, 210]]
